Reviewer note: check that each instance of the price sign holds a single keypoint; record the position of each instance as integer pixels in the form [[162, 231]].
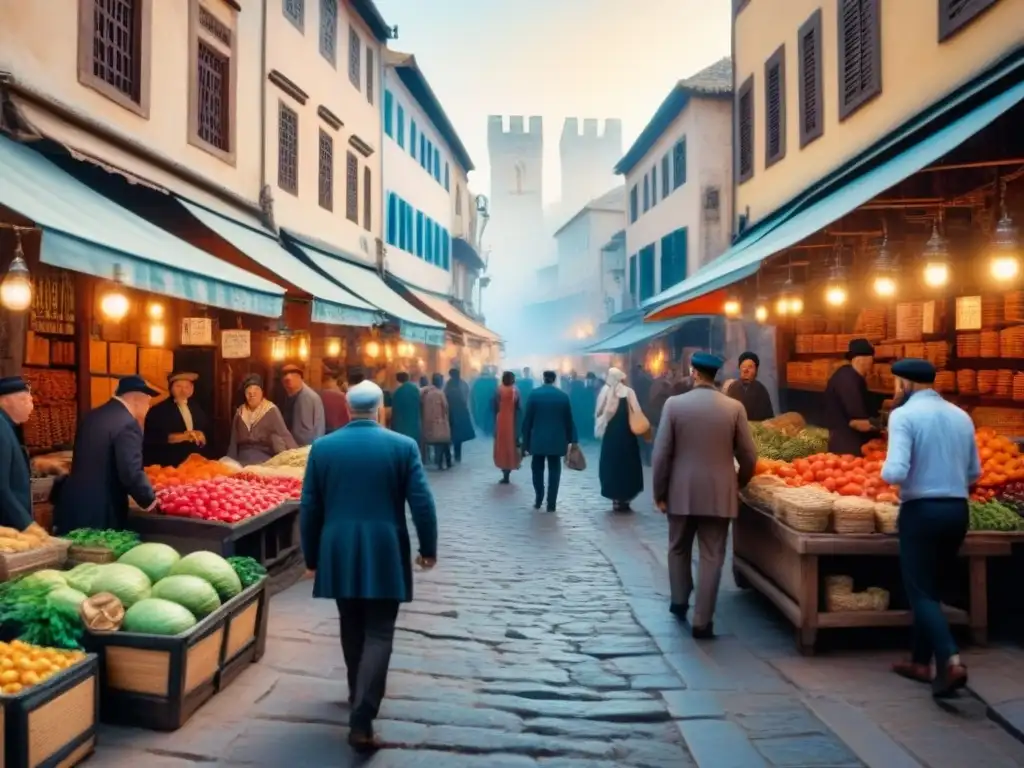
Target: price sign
[[235, 345], [968, 313], [196, 331]]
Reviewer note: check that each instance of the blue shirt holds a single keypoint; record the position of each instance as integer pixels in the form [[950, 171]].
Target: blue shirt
[[932, 453]]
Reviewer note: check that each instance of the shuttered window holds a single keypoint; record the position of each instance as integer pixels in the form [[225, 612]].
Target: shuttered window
[[329, 30], [673, 258], [679, 164], [287, 149], [647, 193], [812, 113], [632, 277], [355, 57], [954, 15], [745, 131], [389, 109], [400, 132], [367, 200], [392, 231], [419, 234], [654, 185], [860, 54], [666, 177], [647, 272], [326, 160], [775, 107], [370, 72], [352, 188], [634, 210]]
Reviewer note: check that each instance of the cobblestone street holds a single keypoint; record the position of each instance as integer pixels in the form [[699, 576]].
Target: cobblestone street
[[544, 640]]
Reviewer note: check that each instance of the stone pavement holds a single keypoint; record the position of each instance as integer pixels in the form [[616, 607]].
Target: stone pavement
[[544, 640]]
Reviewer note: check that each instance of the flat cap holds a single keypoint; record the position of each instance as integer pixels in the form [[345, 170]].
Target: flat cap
[[912, 369], [182, 376], [365, 397], [706, 362], [12, 385], [291, 368], [132, 384], [859, 348]]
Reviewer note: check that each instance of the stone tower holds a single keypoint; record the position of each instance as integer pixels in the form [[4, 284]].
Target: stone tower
[[516, 232], [587, 161]]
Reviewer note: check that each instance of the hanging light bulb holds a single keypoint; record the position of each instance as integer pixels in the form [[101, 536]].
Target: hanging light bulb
[[732, 307], [303, 349], [936, 259], [761, 310], [333, 347], [278, 348], [114, 304], [16, 288], [835, 288], [372, 349], [790, 302], [155, 311], [1005, 247], [886, 269]]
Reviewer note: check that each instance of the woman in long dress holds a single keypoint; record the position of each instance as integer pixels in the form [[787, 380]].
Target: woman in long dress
[[437, 431], [620, 470], [258, 431], [506, 423]]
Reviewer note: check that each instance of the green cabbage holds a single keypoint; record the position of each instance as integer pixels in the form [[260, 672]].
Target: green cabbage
[[152, 558], [66, 600], [191, 592], [153, 616], [47, 577], [81, 576], [214, 569], [125, 582]]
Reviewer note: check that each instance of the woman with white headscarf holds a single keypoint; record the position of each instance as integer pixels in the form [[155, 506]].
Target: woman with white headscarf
[[620, 470]]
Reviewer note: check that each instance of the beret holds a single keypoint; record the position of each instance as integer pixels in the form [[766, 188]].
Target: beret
[[859, 348], [365, 397], [917, 371], [752, 357], [11, 385], [705, 361]]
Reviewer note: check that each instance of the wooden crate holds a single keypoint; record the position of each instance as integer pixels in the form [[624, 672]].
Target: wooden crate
[[78, 555], [245, 633], [14, 564], [97, 356], [53, 724], [124, 359]]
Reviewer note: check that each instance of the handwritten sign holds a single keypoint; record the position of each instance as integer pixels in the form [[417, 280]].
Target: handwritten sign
[[928, 319], [235, 345], [968, 313], [196, 331]]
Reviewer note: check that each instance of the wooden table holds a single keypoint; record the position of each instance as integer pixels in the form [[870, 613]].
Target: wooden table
[[782, 564]]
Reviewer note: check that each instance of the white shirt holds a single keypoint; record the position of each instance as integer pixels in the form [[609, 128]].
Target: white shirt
[[186, 414]]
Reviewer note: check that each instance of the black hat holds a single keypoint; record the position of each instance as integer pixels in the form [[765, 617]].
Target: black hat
[[129, 384], [705, 362], [859, 348], [12, 385], [752, 357], [253, 379], [182, 376], [917, 371], [291, 368]]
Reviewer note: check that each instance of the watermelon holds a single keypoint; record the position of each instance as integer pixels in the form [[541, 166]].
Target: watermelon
[[152, 558], [80, 577], [125, 582], [213, 568], [190, 592], [153, 616]]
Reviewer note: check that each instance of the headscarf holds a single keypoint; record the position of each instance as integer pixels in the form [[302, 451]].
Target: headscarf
[[251, 416], [612, 392], [752, 357]]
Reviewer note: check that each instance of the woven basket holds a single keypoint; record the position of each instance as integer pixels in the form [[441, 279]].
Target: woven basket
[[879, 598], [808, 516], [835, 584], [91, 555], [853, 515], [887, 518]]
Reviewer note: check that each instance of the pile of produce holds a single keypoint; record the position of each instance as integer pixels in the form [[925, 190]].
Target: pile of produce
[[844, 475], [44, 609], [249, 570], [193, 469], [224, 499], [23, 665], [781, 446], [262, 470], [1012, 495], [291, 487], [117, 542], [13, 541], [994, 516], [296, 457], [788, 423], [1001, 459]]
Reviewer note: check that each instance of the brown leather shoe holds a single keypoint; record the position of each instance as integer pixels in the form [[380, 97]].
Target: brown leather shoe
[[919, 673], [363, 740], [949, 680]]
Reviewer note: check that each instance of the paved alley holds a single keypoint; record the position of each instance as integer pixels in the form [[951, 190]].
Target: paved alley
[[544, 640]]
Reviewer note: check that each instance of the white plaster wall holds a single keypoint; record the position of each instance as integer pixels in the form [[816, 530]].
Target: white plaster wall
[[580, 263]]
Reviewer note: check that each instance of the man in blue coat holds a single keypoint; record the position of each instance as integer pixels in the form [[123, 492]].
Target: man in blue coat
[[405, 408], [356, 542], [15, 479], [107, 465], [548, 431]]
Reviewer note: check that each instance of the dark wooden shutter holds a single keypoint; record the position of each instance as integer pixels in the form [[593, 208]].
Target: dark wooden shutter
[[367, 200], [326, 161], [745, 131], [352, 188], [860, 54], [812, 113], [775, 107], [954, 15]]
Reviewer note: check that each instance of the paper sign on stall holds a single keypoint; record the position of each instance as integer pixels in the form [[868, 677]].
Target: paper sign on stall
[[968, 313], [196, 331], [235, 345]]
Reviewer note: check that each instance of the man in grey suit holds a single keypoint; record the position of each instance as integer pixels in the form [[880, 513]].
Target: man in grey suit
[[696, 484]]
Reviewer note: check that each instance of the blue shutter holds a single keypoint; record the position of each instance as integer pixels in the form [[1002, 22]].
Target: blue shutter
[[667, 266], [632, 276], [401, 224], [430, 240], [680, 250], [392, 217], [419, 234], [647, 193], [633, 213], [679, 164], [654, 185], [447, 250], [412, 138], [388, 107], [666, 177], [437, 166], [447, 178], [401, 127], [647, 272]]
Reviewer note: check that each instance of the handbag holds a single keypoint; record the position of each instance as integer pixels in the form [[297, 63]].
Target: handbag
[[574, 459], [639, 425]]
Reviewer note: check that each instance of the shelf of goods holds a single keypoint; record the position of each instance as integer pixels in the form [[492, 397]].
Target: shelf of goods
[[55, 417]]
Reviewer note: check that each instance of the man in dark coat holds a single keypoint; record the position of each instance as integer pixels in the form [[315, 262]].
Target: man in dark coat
[[524, 384], [405, 408], [456, 391], [177, 427], [548, 431], [482, 399], [15, 479], [107, 465], [847, 410], [749, 391], [356, 543], [582, 402]]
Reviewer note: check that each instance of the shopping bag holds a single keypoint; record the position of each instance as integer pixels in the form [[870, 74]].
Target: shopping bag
[[639, 425], [574, 459]]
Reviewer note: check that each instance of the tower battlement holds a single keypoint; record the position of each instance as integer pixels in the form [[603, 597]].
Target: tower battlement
[[611, 136], [516, 133]]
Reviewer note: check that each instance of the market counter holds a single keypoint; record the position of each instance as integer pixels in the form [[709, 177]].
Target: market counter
[[271, 538], [782, 563]]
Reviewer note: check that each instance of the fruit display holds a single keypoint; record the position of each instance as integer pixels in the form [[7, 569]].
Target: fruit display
[[1012, 495], [783, 446], [223, 499], [291, 487], [23, 665], [1001, 458], [994, 516], [13, 541], [843, 475], [296, 457], [193, 469]]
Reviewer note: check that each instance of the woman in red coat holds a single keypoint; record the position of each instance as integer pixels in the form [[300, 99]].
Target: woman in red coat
[[506, 438]]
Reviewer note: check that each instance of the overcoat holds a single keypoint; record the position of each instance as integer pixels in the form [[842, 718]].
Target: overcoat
[[15, 479], [548, 425], [481, 399], [163, 420], [106, 469], [457, 392], [700, 434], [436, 427], [405, 411], [352, 514]]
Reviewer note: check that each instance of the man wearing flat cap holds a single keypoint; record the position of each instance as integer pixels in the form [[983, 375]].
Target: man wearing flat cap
[[749, 391], [175, 428], [356, 542], [15, 478], [934, 459], [107, 464], [847, 409], [303, 410], [702, 436]]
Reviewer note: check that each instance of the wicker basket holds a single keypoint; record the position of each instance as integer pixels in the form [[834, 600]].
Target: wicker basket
[[808, 515], [838, 584], [91, 555], [879, 598], [853, 515], [886, 518]]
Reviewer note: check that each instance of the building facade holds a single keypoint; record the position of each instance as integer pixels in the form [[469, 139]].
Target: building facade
[[587, 161], [677, 184], [817, 83]]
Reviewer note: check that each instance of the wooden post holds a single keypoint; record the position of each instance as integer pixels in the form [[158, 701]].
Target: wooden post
[[85, 306]]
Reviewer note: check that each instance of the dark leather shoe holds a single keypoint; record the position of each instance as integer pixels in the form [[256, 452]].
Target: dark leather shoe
[[706, 632], [949, 680], [551, 507], [677, 610], [919, 673], [537, 503], [363, 740]]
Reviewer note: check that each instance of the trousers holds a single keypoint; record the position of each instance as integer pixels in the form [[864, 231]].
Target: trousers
[[712, 534], [554, 467], [367, 637], [931, 532]]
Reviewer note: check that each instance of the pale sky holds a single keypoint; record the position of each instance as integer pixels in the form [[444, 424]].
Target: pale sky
[[555, 58]]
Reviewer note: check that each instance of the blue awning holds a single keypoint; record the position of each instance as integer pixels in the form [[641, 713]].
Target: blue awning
[[84, 231], [332, 304], [744, 259], [365, 283], [637, 333]]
